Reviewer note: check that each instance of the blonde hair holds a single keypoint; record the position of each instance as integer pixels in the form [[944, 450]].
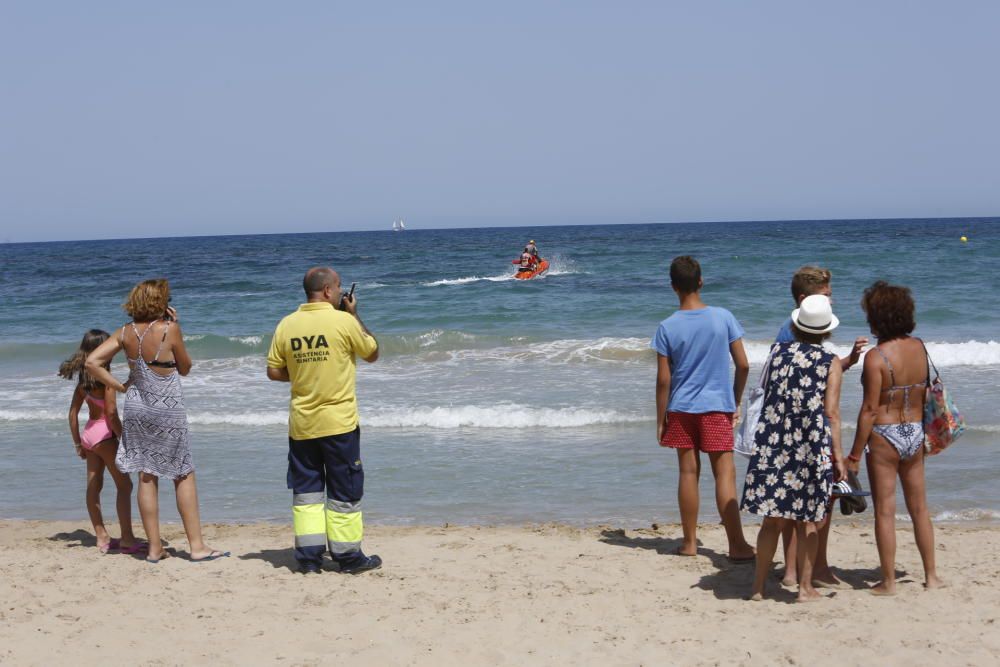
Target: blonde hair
[[809, 280], [148, 300]]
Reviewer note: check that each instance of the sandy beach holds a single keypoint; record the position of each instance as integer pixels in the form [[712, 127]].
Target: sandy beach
[[521, 595]]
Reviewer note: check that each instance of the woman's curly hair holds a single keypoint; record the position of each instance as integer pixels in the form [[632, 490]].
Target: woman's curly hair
[[148, 300], [889, 309]]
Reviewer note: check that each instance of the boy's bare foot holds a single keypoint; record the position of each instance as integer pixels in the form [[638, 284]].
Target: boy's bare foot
[[882, 589], [790, 582], [686, 551], [157, 557], [743, 554], [828, 582], [756, 597], [933, 582], [808, 595]]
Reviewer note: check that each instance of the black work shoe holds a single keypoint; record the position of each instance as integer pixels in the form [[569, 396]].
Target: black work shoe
[[309, 568], [372, 562]]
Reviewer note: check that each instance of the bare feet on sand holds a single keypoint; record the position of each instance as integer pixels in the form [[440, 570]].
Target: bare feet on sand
[[808, 595], [883, 589], [933, 582], [830, 581], [743, 554]]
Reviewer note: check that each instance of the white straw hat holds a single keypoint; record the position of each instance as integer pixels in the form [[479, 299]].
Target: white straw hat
[[815, 315]]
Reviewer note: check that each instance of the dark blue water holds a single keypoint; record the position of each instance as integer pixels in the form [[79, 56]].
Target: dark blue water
[[518, 400]]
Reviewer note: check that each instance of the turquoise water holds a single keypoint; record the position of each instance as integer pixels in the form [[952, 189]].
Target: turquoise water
[[495, 400]]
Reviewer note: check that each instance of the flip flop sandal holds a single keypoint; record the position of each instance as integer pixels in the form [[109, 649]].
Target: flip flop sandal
[[215, 555], [136, 548]]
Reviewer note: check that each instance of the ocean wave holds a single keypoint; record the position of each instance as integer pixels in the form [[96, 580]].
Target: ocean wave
[[450, 417], [969, 353], [462, 345], [498, 417], [970, 514]]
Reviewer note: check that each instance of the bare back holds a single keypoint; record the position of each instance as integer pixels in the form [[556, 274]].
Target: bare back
[[153, 342], [902, 365]]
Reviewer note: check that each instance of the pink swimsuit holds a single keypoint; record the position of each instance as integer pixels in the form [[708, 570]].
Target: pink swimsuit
[[97, 430]]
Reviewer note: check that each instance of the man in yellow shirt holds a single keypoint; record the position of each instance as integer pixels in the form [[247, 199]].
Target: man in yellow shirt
[[315, 349]]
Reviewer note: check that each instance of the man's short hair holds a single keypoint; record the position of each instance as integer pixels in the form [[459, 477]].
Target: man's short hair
[[685, 274], [318, 278], [809, 280]]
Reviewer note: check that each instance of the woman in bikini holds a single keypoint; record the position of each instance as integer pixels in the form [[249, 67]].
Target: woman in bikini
[[890, 428], [98, 444], [155, 441]]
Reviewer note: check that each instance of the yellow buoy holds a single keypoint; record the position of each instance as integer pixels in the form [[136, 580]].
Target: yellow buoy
[[964, 239]]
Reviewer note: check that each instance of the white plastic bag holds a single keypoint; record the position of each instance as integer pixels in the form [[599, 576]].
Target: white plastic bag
[[743, 439]]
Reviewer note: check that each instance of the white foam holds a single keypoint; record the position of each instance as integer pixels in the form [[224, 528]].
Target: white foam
[[247, 340], [500, 416], [971, 514], [471, 279], [263, 418], [969, 353]]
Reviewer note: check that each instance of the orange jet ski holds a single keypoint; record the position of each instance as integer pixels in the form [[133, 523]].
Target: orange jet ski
[[532, 270]]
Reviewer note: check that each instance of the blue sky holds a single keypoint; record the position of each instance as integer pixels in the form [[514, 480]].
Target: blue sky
[[124, 119]]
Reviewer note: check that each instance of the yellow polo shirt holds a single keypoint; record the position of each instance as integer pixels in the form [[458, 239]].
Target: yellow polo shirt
[[318, 345]]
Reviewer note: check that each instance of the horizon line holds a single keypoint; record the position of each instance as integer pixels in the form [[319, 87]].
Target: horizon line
[[978, 218]]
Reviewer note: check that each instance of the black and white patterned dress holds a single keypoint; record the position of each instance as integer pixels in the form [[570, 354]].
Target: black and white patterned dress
[[790, 474], [155, 436]]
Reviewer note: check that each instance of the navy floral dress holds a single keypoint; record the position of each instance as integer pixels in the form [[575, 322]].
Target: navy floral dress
[[790, 474]]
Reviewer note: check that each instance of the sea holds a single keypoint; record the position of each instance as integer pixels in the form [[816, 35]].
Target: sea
[[494, 401]]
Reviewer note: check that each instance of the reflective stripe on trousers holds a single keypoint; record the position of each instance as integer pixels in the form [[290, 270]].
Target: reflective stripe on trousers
[[344, 527], [308, 519]]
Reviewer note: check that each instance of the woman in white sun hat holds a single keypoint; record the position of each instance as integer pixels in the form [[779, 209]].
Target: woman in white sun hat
[[797, 456]]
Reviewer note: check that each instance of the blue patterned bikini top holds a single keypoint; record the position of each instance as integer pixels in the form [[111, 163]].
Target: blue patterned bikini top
[[893, 388]]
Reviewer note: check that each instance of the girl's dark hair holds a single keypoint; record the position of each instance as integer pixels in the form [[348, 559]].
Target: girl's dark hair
[[74, 366], [889, 309]]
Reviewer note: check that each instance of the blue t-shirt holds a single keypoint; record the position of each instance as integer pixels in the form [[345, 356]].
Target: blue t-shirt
[[785, 333], [697, 343]]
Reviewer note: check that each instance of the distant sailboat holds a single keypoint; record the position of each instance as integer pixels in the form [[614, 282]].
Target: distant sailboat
[[398, 225]]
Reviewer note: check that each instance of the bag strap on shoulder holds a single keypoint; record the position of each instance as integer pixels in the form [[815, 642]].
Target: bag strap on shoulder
[[930, 364]]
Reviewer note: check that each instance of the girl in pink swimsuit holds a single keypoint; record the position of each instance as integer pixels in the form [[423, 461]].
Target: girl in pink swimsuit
[[98, 444]]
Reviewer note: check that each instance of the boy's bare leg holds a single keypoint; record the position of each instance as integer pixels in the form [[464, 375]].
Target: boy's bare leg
[[791, 576], [808, 539], [724, 470], [689, 464], [767, 544], [822, 573]]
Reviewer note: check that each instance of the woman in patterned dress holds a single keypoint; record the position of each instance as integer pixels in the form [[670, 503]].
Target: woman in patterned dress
[[155, 441], [797, 451]]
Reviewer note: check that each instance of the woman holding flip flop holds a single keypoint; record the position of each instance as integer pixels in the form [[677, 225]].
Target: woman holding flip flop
[[155, 441], [797, 456]]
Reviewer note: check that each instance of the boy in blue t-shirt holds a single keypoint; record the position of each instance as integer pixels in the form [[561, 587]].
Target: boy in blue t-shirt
[[696, 406]]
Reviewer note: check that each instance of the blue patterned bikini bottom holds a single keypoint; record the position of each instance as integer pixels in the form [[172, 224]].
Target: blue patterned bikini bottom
[[907, 438]]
